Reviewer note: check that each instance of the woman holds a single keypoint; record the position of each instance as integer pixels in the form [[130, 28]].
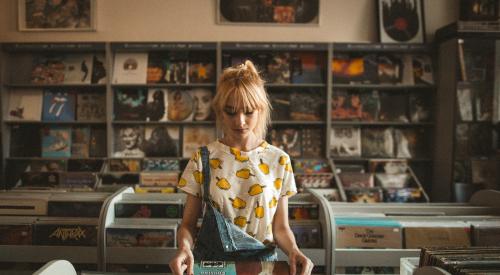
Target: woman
[[251, 180]]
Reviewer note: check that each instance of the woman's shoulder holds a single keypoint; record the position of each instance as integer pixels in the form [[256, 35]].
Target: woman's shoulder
[[271, 149]]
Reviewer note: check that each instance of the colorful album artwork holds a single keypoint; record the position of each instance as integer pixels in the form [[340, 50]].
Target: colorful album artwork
[[58, 106]]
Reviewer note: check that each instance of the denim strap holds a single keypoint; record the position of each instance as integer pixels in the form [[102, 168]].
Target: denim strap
[[205, 172]]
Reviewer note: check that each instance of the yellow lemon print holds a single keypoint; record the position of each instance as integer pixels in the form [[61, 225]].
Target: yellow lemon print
[[223, 183], [256, 189], [264, 167], [283, 160], [238, 203], [259, 211], [215, 163], [289, 193], [277, 183], [288, 167], [182, 182], [264, 144], [237, 155], [244, 173], [240, 221], [273, 202], [198, 177]]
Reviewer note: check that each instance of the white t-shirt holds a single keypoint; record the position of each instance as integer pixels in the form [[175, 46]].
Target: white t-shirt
[[245, 186]]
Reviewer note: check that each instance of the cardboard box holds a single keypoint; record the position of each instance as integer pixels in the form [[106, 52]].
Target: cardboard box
[[446, 234], [486, 233], [368, 233]]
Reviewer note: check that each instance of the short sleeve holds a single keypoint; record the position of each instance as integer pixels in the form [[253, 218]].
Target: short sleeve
[[289, 187], [191, 178]]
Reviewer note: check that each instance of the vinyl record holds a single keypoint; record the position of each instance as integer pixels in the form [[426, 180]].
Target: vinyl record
[[400, 20]]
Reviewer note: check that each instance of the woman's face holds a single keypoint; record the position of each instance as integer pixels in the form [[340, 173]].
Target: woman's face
[[202, 103], [238, 124], [130, 138]]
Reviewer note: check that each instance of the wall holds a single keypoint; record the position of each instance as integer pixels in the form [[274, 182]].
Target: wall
[[194, 20]]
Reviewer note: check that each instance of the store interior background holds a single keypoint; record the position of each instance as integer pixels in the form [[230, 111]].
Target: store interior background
[[195, 20]]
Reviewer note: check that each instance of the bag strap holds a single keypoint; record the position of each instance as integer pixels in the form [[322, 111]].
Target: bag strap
[[205, 154]]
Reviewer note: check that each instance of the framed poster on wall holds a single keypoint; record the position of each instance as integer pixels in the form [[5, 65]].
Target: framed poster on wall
[[401, 21], [71, 15], [286, 12]]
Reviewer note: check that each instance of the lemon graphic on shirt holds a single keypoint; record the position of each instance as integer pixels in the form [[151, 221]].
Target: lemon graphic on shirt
[[259, 211], [198, 177], [264, 167], [241, 221], [264, 144], [277, 183], [290, 193], [238, 203], [244, 173], [256, 189], [282, 160], [237, 155], [182, 182], [273, 202], [215, 163], [223, 183], [288, 167]]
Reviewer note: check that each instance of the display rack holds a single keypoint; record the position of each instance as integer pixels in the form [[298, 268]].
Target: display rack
[[482, 205]]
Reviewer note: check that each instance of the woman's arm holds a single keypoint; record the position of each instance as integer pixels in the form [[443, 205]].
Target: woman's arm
[[286, 241], [184, 260]]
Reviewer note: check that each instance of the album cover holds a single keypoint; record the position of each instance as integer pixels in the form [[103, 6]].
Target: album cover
[[78, 68], [307, 234], [280, 101], [365, 195], [307, 67], [346, 105], [75, 208], [301, 211], [124, 165], [157, 66], [401, 21], [130, 68], [485, 173], [128, 141], [310, 166], [48, 69], [159, 179], [201, 71], [176, 72], [377, 142], [56, 141], [78, 181], [478, 10], [25, 141], [80, 141], [130, 104], [307, 105], [202, 104], [345, 142], [411, 143], [278, 68], [58, 106], [370, 104], [388, 166], [402, 195], [351, 180], [195, 136], [160, 165], [25, 104], [318, 180], [98, 143], [157, 105], [141, 237], [483, 98], [354, 69], [288, 140], [16, 233], [99, 74], [312, 142], [393, 180], [393, 107], [390, 68], [161, 141], [163, 210], [65, 232], [422, 69], [85, 165], [420, 107], [180, 105], [91, 107]]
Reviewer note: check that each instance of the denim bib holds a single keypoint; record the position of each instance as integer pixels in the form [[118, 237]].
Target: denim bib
[[220, 239]]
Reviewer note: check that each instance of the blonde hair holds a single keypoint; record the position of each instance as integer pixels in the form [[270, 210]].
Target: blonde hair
[[244, 83]]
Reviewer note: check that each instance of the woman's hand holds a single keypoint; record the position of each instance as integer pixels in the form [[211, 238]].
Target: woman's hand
[[299, 261], [183, 261]]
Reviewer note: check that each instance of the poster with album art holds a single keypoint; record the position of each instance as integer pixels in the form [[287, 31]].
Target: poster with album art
[[195, 136], [345, 142], [25, 104], [161, 141], [130, 68], [401, 21], [157, 104]]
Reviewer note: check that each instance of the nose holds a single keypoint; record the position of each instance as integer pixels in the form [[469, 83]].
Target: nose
[[240, 119]]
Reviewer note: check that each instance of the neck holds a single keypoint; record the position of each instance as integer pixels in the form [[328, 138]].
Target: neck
[[244, 144]]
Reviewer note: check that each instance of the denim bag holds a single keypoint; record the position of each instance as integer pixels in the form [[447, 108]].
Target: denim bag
[[220, 239]]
